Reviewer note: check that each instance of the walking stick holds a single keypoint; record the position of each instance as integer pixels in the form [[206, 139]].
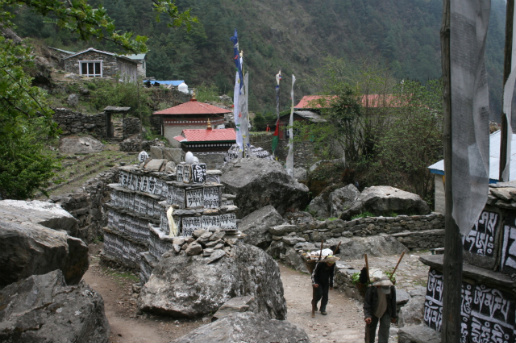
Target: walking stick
[[394, 271], [367, 267], [337, 248], [314, 291], [366, 336]]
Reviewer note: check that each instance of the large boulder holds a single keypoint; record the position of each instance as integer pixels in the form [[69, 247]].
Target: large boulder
[[246, 327], [42, 308], [342, 199], [256, 226], [28, 248], [195, 286], [333, 202], [258, 182], [385, 200], [80, 145], [48, 214]]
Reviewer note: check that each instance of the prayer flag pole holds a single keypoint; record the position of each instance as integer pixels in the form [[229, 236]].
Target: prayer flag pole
[[509, 76], [290, 156]]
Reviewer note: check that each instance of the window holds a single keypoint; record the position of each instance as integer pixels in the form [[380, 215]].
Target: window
[[91, 68]]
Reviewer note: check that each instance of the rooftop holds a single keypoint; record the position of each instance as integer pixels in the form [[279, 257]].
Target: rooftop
[[206, 135], [192, 107]]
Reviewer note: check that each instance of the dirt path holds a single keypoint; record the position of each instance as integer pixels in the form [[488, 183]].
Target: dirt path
[[343, 323]]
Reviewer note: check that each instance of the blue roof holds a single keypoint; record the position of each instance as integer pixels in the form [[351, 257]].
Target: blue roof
[[174, 83], [494, 159]]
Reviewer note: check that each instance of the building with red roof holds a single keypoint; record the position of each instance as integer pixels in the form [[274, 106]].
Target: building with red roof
[[190, 115], [208, 144]]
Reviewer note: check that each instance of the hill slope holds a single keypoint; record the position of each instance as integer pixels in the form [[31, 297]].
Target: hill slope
[[294, 36]]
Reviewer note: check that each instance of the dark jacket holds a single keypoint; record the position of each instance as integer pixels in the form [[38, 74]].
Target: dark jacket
[[323, 274], [371, 300]]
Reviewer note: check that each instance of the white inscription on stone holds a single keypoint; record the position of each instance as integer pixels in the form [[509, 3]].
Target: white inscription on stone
[[194, 198]]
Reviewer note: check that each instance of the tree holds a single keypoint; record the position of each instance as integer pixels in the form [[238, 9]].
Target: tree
[[25, 117], [412, 139]]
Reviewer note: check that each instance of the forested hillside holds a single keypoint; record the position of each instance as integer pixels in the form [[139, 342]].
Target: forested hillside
[[292, 35]]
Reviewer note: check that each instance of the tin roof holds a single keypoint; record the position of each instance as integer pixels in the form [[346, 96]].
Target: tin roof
[[308, 115], [206, 135], [192, 107], [368, 100], [174, 83], [101, 52]]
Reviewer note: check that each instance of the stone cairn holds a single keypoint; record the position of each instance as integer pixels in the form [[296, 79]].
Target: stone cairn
[[152, 212]]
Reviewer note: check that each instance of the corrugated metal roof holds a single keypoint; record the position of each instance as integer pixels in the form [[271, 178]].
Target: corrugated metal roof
[[206, 135], [311, 116], [101, 52], [192, 107], [368, 100], [308, 115], [494, 159], [174, 83], [136, 56]]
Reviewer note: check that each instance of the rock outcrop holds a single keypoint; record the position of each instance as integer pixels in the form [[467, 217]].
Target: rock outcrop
[[385, 200], [189, 286], [80, 145], [256, 226], [28, 248], [259, 182], [43, 309], [246, 327], [332, 203]]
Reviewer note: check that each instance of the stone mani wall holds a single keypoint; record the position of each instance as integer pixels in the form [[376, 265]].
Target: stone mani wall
[[139, 230]]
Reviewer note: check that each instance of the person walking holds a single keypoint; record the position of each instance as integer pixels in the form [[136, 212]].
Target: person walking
[[322, 282], [379, 306]]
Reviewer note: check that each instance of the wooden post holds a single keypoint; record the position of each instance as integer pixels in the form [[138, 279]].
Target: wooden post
[[452, 264], [509, 18]]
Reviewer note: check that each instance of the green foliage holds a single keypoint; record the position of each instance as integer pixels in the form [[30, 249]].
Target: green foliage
[[112, 93], [207, 93], [355, 278], [262, 119], [363, 215], [25, 126], [88, 22], [25, 116], [412, 140]]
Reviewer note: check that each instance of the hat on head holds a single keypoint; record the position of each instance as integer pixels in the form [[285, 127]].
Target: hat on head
[[378, 278]]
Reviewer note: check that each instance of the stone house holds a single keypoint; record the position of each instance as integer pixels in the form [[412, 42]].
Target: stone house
[[96, 63], [141, 64]]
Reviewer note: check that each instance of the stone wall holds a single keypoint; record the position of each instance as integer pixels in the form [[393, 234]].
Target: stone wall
[[131, 126], [415, 232], [303, 151], [72, 122]]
